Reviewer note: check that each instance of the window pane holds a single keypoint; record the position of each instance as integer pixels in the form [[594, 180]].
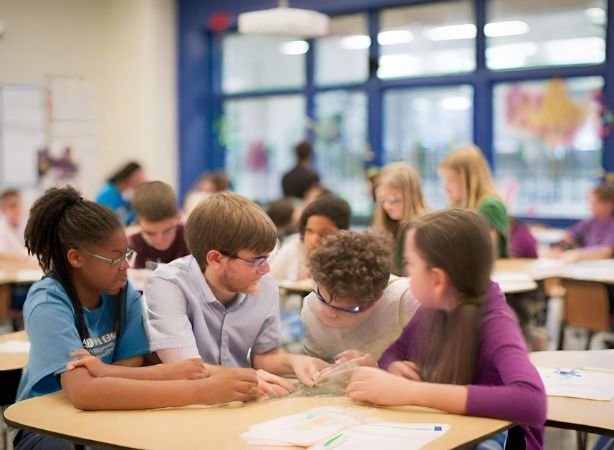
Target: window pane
[[547, 145], [545, 33], [253, 63], [343, 57], [423, 125], [427, 39], [341, 146], [260, 135]]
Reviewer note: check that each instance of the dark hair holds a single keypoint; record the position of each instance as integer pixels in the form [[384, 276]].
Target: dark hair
[[125, 172], [458, 242], [154, 201], [280, 212], [60, 220], [353, 264], [303, 151], [7, 193], [332, 207]]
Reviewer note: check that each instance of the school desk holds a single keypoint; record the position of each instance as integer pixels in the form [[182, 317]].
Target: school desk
[[15, 272], [213, 427], [592, 416], [10, 367]]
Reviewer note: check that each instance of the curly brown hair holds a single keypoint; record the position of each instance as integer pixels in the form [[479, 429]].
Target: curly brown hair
[[353, 264]]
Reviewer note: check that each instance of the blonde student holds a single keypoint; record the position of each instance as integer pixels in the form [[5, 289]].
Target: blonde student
[[356, 309], [469, 184], [219, 303], [85, 325], [398, 199], [463, 351]]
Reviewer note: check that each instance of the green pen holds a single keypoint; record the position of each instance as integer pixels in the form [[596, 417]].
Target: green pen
[[331, 440]]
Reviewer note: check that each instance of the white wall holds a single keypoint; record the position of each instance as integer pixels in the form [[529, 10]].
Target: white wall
[[126, 50]]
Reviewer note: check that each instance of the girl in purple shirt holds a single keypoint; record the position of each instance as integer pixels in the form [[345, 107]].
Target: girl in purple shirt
[[463, 351]]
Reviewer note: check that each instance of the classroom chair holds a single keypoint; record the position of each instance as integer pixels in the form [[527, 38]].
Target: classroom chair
[[586, 306]]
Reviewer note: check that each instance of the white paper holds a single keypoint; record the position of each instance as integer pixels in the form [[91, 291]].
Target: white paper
[[579, 383], [15, 347]]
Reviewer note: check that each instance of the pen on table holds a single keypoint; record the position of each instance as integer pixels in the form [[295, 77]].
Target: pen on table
[[332, 440]]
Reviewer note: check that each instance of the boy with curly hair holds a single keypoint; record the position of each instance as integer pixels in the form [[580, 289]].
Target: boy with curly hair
[[355, 308]]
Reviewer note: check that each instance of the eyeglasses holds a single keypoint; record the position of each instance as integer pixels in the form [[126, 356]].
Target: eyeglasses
[[258, 261], [350, 309], [113, 262]]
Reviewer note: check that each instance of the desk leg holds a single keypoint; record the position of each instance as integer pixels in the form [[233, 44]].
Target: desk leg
[[581, 440], [5, 301]]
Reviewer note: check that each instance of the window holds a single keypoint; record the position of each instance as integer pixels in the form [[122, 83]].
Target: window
[[545, 33], [259, 136], [429, 39], [341, 146], [547, 148], [421, 126], [343, 57], [256, 63]]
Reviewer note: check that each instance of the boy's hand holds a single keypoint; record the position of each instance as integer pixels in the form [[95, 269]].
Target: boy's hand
[[307, 368], [188, 369], [94, 366], [363, 358], [368, 384], [230, 385], [272, 385], [405, 369]]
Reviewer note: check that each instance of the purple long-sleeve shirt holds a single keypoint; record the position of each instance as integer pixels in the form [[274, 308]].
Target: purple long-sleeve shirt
[[594, 232], [506, 385]]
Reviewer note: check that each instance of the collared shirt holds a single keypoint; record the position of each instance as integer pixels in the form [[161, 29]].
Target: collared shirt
[[184, 314]]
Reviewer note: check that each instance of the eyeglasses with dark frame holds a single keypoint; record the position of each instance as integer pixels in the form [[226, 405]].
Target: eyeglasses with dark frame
[[258, 261], [352, 309], [110, 261]]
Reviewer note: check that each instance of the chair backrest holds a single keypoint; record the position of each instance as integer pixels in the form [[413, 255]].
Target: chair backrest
[[587, 305]]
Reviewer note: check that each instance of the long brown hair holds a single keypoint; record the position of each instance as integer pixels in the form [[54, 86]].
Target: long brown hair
[[458, 242]]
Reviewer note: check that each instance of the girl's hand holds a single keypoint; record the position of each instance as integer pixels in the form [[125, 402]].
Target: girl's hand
[[94, 366], [188, 369], [405, 369], [272, 385], [307, 369], [368, 384], [230, 385], [364, 359]]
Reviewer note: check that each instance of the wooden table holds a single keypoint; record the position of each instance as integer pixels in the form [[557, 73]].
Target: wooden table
[[213, 427], [579, 414], [10, 368], [12, 272]]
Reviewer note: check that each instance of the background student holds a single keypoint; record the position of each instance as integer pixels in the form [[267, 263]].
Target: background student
[[592, 238], [398, 198], [84, 307], [160, 239], [12, 226], [118, 190], [218, 303], [463, 351], [355, 307], [323, 217], [296, 182], [469, 184]]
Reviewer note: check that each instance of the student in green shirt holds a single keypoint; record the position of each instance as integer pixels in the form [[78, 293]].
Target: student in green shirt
[[469, 184]]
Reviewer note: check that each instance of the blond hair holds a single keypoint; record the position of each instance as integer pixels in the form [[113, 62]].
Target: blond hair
[[229, 223], [403, 177], [476, 179]]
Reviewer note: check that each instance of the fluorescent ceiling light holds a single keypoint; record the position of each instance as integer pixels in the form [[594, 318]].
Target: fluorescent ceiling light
[[576, 50], [451, 32], [597, 15], [393, 37], [509, 56], [507, 28], [398, 65], [294, 47], [356, 42], [455, 103]]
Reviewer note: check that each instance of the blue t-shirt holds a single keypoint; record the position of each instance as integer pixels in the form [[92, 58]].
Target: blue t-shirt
[[51, 325], [110, 196]]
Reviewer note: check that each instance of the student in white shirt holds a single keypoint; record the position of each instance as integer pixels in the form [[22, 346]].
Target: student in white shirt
[[12, 226]]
